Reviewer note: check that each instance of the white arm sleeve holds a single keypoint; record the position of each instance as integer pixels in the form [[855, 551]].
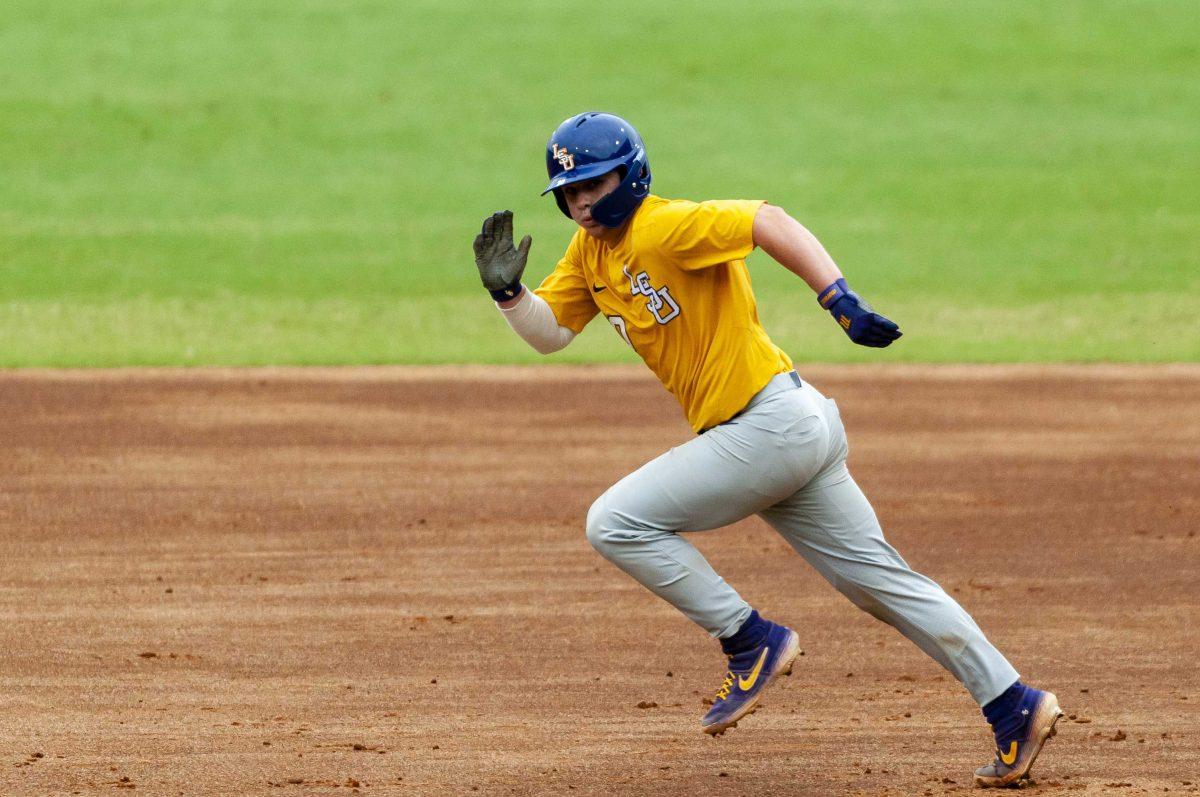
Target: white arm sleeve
[[534, 321]]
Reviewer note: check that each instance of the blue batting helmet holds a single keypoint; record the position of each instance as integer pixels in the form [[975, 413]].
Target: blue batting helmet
[[593, 144]]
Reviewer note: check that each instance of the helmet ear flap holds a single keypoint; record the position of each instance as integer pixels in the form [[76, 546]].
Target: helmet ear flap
[[562, 203], [614, 209]]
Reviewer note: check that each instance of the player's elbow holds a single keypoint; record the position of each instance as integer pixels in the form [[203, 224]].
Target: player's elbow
[[771, 213], [548, 341], [769, 222], [546, 346]]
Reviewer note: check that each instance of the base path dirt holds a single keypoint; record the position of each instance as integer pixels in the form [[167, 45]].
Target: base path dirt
[[375, 581]]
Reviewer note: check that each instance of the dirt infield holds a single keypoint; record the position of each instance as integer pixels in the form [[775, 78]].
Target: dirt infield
[[327, 581]]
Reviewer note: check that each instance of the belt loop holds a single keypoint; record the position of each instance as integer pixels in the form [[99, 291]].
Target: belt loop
[[796, 379]]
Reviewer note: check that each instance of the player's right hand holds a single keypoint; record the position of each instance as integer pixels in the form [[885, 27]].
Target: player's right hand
[[501, 264]]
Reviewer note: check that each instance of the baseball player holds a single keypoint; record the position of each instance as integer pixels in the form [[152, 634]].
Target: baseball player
[[670, 277]]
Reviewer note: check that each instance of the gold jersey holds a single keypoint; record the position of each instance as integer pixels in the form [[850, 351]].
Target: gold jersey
[[676, 289]]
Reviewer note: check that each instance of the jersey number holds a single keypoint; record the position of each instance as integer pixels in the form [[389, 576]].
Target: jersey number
[[619, 325], [659, 302]]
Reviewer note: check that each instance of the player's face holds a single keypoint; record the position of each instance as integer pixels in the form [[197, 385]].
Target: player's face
[[582, 195]]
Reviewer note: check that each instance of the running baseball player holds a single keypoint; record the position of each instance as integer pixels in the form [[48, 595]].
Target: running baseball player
[[670, 277]]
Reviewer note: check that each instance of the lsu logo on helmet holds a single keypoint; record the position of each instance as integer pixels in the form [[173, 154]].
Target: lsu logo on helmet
[[565, 159]]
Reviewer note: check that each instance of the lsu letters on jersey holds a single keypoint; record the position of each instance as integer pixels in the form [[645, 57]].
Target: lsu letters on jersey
[[676, 288]]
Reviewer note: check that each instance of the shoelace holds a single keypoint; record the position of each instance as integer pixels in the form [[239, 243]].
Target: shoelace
[[726, 685]]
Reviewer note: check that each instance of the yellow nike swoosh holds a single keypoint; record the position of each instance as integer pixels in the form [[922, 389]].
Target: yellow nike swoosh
[[745, 684], [1011, 756]]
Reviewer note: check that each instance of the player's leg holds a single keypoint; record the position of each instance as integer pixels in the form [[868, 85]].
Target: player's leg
[[718, 478], [832, 525]]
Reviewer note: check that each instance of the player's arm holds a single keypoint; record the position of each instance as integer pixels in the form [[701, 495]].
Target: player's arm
[[798, 250], [500, 267], [531, 317]]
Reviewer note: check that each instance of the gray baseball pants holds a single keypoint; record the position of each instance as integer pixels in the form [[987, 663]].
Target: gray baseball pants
[[784, 458]]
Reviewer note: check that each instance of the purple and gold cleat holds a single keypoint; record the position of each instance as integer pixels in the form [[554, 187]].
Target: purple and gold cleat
[[750, 672], [1019, 739]]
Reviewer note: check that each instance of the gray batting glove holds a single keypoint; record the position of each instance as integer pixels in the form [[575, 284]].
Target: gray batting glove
[[501, 264]]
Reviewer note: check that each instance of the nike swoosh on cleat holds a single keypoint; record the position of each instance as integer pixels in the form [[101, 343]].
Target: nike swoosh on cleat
[[745, 684], [1011, 756]]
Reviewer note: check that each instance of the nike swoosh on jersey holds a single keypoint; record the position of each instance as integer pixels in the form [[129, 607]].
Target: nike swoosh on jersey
[[745, 684], [598, 288]]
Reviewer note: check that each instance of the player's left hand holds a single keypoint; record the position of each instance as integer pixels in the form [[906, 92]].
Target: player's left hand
[[862, 324]]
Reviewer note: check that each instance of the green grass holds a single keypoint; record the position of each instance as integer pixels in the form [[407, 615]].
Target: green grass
[[254, 182]]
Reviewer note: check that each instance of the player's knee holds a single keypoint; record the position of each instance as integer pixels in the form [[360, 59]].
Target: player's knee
[[600, 525], [608, 528], [612, 527]]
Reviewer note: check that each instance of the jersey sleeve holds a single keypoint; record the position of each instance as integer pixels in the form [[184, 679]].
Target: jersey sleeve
[[703, 234], [567, 292]]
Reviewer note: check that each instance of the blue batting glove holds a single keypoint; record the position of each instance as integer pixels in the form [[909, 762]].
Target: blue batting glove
[[862, 324]]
